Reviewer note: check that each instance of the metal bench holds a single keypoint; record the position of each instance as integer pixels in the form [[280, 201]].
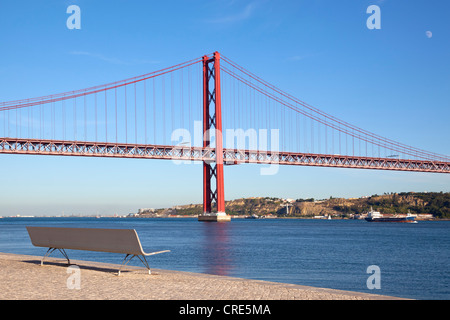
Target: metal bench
[[125, 241]]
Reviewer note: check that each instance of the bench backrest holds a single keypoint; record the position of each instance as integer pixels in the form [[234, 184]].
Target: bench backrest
[[92, 239]]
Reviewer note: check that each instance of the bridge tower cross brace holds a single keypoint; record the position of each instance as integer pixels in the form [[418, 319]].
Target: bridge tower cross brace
[[213, 183]]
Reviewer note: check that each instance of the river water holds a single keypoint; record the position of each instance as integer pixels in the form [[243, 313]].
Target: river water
[[412, 259]]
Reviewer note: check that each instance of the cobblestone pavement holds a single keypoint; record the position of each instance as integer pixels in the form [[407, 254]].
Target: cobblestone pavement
[[22, 277]]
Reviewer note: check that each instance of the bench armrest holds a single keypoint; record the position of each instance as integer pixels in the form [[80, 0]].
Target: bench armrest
[[157, 252]]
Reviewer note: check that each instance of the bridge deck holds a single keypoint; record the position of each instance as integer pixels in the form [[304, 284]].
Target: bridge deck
[[230, 156]]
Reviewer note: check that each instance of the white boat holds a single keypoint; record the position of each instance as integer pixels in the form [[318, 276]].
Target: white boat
[[254, 216], [375, 216]]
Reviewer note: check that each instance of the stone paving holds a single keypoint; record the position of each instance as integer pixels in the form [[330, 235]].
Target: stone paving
[[22, 277]]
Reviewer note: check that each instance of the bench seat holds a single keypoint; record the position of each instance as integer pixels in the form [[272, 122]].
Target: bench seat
[[124, 241]]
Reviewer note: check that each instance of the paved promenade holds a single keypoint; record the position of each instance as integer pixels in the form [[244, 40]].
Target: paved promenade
[[22, 277]]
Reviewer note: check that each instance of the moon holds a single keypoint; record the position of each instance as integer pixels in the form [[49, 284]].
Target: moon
[[429, 34]]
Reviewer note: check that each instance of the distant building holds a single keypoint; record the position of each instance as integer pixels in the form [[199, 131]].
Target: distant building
[[146, 210], [425, 216]]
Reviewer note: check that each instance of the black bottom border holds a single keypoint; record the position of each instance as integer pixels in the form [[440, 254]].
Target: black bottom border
[[226, 309]]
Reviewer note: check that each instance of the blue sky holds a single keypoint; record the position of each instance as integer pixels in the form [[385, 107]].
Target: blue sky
[[394, 82]]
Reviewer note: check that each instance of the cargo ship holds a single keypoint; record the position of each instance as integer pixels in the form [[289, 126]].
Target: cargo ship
[[375, 216]]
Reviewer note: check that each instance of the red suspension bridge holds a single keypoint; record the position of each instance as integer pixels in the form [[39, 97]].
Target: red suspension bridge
[[208, 109]]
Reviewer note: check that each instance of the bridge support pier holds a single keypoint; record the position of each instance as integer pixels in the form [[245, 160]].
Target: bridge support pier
[[214, 217], [212, 120]]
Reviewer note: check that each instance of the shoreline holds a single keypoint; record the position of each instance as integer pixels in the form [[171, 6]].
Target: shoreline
[[195, 217], [23, 278]]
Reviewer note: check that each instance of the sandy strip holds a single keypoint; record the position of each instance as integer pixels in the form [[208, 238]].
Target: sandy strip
[[22, 277]]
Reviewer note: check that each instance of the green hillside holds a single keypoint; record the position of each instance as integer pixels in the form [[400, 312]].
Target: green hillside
[[437, 204]]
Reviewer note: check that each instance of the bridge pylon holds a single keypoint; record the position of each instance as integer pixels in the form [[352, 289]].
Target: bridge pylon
[[213, 184]]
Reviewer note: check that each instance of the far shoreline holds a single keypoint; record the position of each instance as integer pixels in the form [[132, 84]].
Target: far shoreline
[[195, 217]]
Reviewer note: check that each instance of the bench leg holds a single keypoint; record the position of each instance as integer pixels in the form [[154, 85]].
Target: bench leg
[[50, 251], [125, 262], [63, 252], [145, 264]]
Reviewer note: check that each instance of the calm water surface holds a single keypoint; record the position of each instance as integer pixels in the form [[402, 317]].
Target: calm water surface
[[413, 258]]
